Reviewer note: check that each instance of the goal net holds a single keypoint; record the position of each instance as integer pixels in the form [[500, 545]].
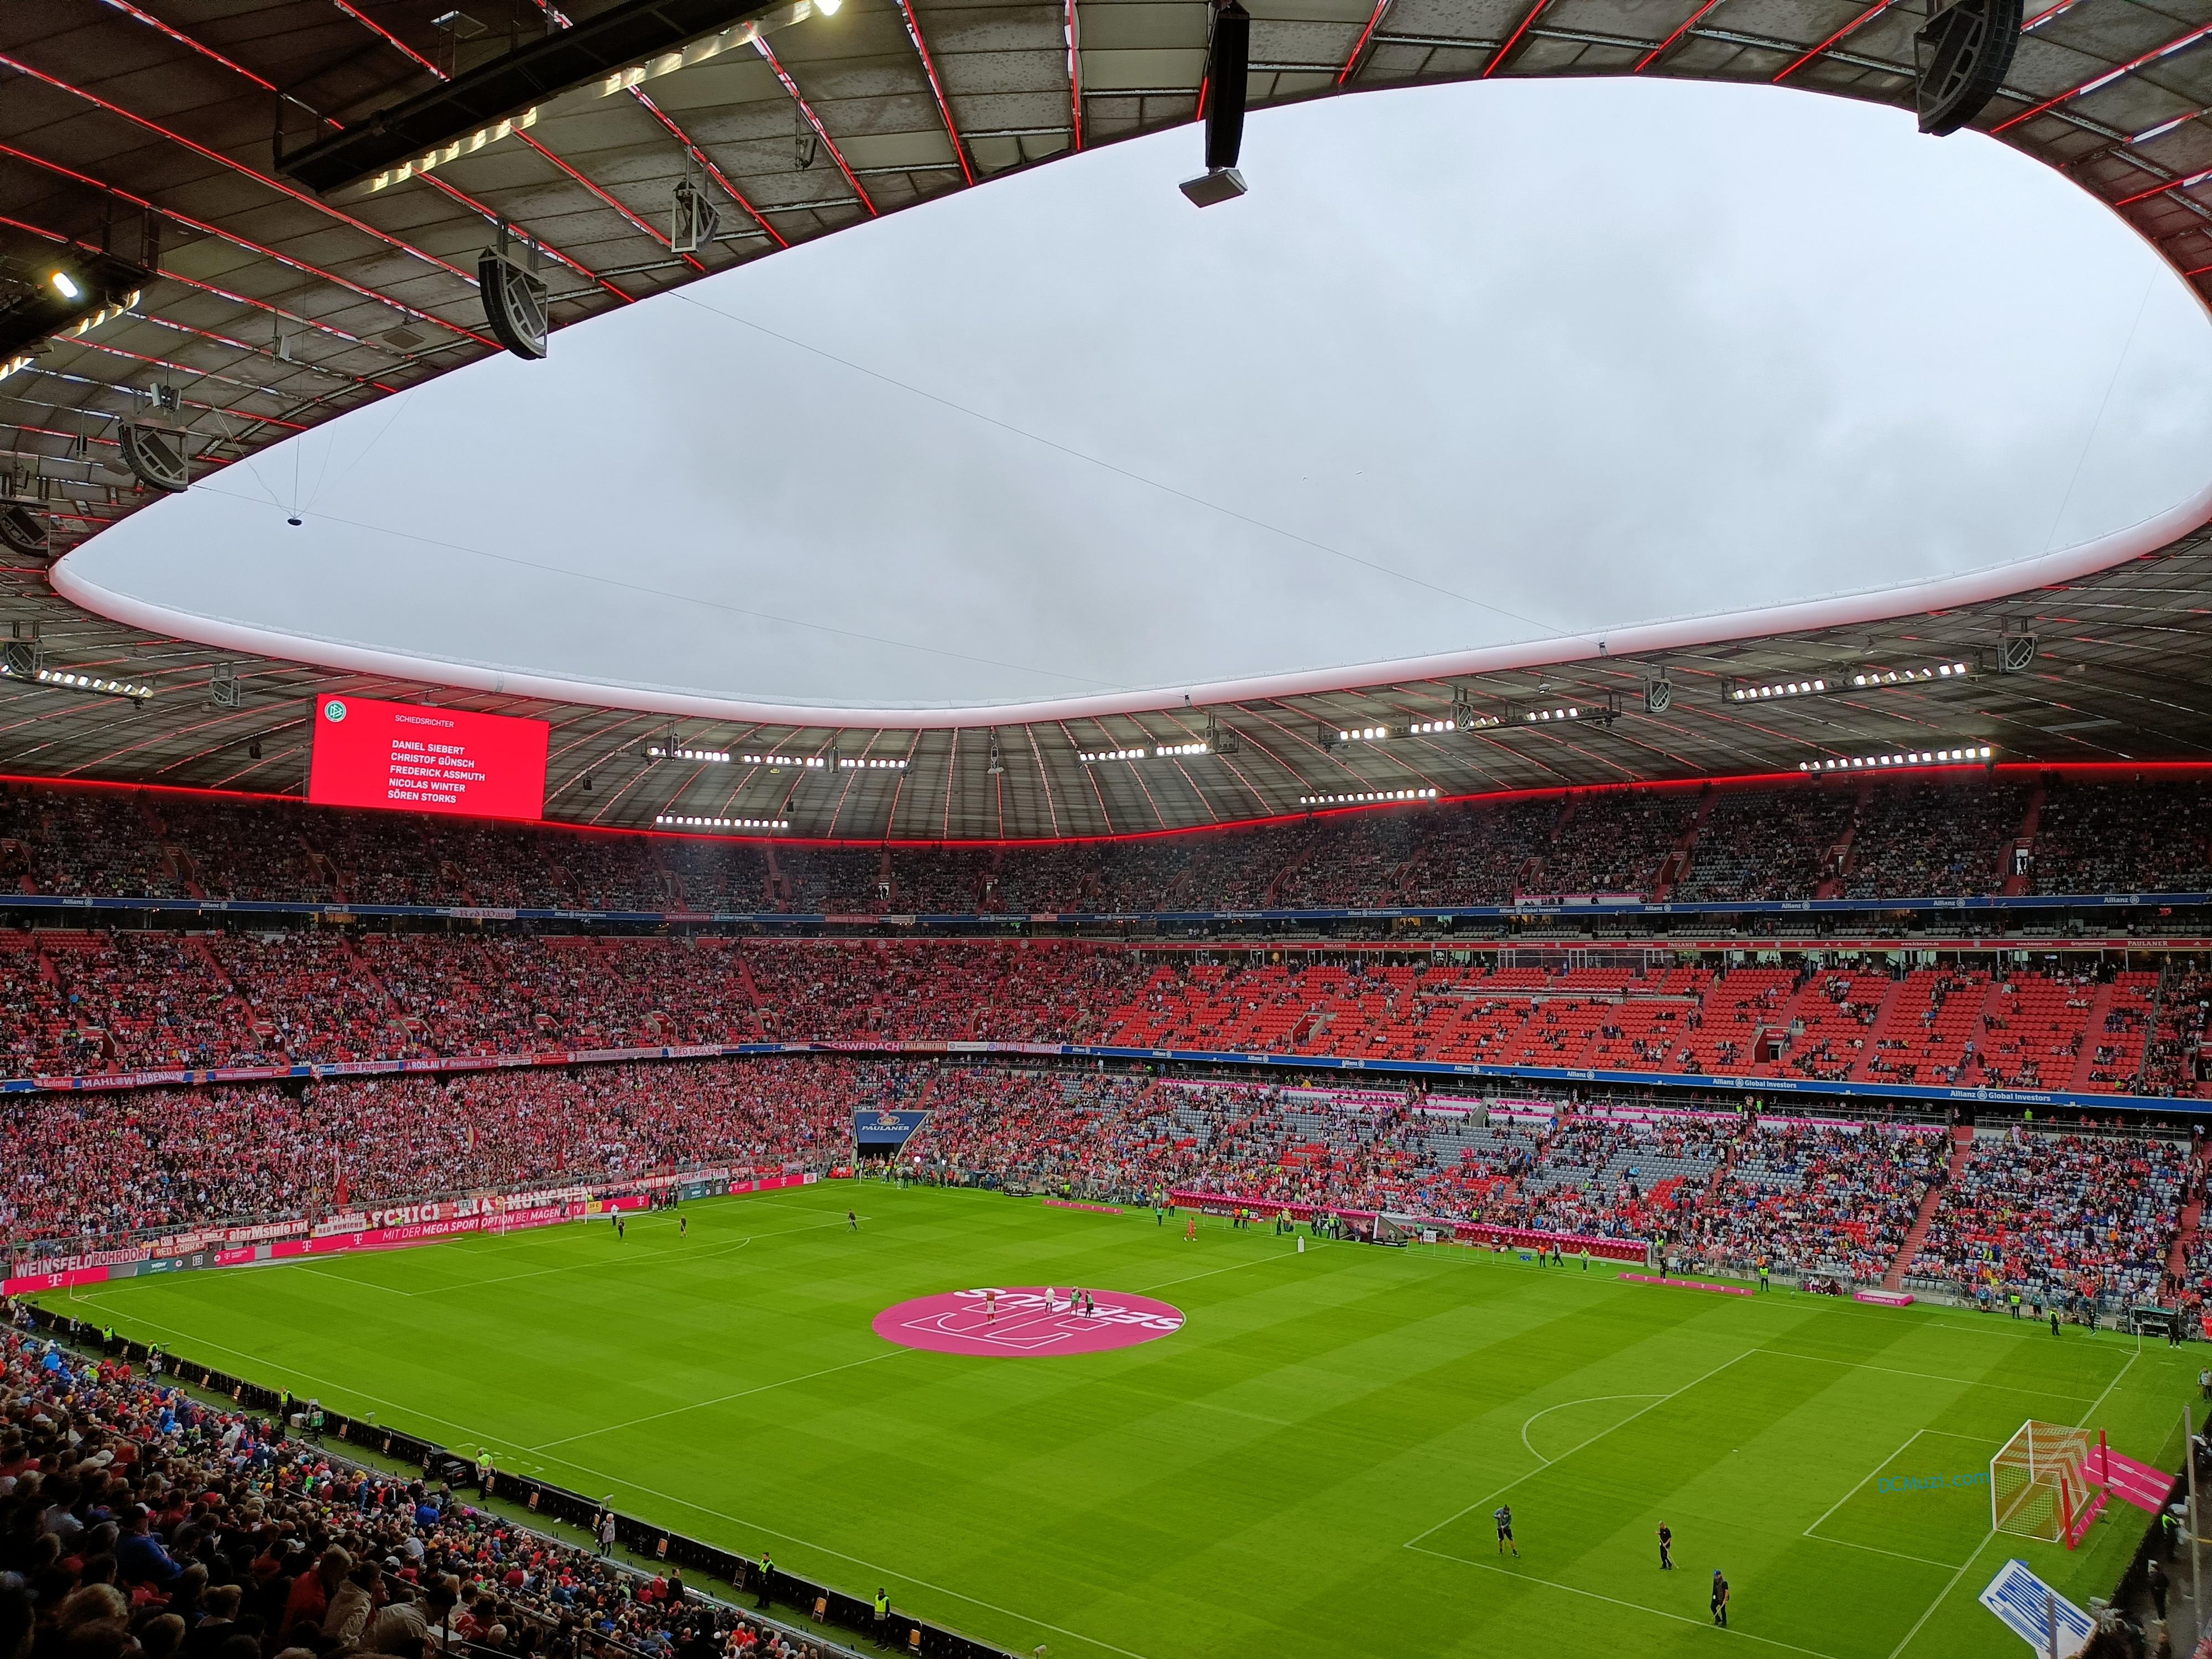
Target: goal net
[[2046, 1483]]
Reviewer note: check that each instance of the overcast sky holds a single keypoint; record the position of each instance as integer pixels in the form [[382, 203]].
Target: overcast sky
[[1469, 365]]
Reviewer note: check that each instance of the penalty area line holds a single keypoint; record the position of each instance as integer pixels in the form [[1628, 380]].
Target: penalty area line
[[1657, 1401], [1617, 1601]]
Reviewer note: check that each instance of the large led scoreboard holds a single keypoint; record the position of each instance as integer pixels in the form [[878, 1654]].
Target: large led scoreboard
[[409, 758]]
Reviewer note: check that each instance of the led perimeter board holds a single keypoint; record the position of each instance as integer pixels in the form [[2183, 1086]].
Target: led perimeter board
[[413, 759]]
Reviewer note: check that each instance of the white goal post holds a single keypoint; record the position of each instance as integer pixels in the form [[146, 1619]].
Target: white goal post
[[2048, 1482]]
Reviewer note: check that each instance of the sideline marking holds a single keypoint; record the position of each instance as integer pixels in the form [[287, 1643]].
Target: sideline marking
[[718, 1400], [1614, 1601], [1926, 1376], [1860, 1482], [1943, 1595], [2109, 1387], [1257, 1261], [1414, 1542], [684, 1503], [874, 1566], [1595, 1399], [1895, 1555]]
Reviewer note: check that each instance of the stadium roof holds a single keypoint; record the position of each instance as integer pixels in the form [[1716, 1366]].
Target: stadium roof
[[147, 131]]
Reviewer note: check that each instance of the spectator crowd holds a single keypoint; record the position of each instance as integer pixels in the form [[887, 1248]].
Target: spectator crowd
[[137, 1521], [1838, 838]]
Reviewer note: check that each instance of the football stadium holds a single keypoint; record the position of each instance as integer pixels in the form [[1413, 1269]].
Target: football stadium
[[1401, 1050]]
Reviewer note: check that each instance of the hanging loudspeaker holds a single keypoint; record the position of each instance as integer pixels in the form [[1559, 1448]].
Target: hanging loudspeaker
[[157, 456], [1962, 52], [24, 533], [1228, 59], [514, 303], [1226, 62]]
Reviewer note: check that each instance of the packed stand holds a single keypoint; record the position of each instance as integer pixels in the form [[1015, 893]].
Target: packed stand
[[148, 1524], [1759, 844], [78, 1170], [2061, 1215], [1939, 840], [1745, 842], [2137, 836]]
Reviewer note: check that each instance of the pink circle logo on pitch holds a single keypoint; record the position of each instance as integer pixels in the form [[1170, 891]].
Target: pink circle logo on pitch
[[1025, 1320]]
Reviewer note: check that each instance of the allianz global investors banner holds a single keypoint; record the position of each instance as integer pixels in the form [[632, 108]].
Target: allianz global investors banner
[[409, 758]]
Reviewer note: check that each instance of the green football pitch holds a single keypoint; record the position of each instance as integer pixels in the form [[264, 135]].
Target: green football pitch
[[1309, 1465]]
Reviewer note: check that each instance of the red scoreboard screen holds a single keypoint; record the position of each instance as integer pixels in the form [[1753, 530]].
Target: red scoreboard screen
[[414, 759]]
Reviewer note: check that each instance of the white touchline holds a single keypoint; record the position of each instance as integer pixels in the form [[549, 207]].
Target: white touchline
[[1256, 1261], [718, 1400], [1662, 1400], [1925, 1376], [1951, 1584], [1942, 1593], [860, 1561], [2109, 1387], [1895, 1555], [1633, 1607], [339, 1390]]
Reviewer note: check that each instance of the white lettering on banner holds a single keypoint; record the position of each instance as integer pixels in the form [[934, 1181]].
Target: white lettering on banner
[[2030, 1607], [370, 1230]]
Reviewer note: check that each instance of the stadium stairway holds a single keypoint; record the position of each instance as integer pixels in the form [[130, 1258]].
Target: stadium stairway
[[1962, 1140], [2023, 840], [358, 959], [2093, 1027], [2192, 1217], [1861, 1069], [1681, 858]]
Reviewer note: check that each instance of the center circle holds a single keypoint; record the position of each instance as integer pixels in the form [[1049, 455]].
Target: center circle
[[1023, 1320]]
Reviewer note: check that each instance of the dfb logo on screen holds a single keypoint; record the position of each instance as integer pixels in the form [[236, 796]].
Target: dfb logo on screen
[[334, 710]]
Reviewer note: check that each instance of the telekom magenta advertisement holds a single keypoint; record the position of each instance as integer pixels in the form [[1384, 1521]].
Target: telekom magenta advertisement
[[413, 759]]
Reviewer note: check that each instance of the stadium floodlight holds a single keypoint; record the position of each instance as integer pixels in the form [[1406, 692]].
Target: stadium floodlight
[[66, 285], [1536, 716], [1777, 689], [672, 820], [1941, 670], [1970, 755], [1169, 749], [1829, 684], [716, 757], [18, 666], [855, 763], [467, 144], [1092, 757], [816, 762], [1364, 797], [1364, 734]]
